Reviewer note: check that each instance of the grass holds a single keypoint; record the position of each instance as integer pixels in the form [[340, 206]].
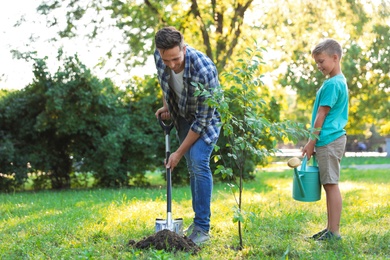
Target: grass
[[98, 223], [349, 161]]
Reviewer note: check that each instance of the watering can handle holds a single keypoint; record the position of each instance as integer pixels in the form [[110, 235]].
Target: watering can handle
[[303, 165], [304, 162]]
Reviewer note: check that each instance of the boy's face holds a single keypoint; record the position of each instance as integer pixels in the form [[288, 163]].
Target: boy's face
[[174, 58], [327, 64]]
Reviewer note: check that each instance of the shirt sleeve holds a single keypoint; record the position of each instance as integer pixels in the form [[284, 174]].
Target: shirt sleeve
[[204, 113], [329, 95]]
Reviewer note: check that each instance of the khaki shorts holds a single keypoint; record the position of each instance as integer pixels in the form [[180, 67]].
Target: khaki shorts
[[328, 159]]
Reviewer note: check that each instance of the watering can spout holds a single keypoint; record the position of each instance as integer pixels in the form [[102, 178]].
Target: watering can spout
[[299, 180], [294, 163]]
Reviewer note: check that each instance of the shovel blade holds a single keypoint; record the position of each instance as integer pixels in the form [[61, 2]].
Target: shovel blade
[[177, 225]]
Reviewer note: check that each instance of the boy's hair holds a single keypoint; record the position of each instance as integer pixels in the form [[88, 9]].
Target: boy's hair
[[328, 46], [168, 38]]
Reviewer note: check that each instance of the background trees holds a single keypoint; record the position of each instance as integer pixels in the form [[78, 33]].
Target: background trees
[[94, 125], [289, 29], [363, 31], [215, 27], [73, 122]]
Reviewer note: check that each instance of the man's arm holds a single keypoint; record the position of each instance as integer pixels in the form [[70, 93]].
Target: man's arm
[[175, 157]]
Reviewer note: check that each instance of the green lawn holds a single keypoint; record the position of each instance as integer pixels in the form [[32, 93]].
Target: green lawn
[[97, 224], [349, 161]]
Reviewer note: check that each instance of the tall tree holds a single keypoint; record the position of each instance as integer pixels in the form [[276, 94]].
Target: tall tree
[[215, 27], [288, 28]]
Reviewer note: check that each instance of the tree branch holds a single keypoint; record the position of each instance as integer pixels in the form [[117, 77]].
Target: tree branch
[[235, 29], [155, 10], [218, 22], [205, 35]]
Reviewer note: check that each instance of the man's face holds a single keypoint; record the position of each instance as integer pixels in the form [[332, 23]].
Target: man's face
[[326, 63], [174, 58]]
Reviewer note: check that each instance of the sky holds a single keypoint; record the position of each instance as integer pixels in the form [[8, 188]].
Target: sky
[[13, 73], [17, 74]]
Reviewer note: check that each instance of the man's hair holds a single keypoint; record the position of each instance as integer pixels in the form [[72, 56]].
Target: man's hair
[[328, 46], [168, 38]]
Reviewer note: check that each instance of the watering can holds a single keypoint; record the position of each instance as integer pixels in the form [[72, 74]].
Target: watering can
[[306, 180]]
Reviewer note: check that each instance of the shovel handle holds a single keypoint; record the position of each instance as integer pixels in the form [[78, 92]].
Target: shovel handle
[[166, 127], [169, 195]]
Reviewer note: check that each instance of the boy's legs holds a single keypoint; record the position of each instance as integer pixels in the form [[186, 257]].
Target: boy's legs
[[329, 157], [334, 207]]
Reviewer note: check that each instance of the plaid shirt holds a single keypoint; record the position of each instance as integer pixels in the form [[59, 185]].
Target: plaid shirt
[[198, 68]]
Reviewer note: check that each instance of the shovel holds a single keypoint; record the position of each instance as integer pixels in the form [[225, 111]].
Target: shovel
[[175, 225]]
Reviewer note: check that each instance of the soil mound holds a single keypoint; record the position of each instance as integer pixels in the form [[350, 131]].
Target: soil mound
[[166, 240]]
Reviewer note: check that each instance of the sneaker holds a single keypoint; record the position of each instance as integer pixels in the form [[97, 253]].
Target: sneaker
[[318, 235], [329, 236], [199, 236]]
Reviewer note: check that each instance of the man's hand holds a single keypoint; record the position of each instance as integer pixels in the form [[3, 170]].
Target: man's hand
[[163, 111], [174, 160], [175, 157], [309, 149]]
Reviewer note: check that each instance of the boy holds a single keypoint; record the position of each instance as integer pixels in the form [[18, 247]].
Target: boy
[[330, 115]]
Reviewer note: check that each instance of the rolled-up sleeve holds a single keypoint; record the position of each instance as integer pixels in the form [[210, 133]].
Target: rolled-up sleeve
[[204, 123]]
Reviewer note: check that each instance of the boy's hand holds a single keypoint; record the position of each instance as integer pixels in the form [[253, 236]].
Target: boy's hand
[[309, 149]]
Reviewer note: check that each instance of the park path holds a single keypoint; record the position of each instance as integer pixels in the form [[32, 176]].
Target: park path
[[283, 166], [370, 166], [298, 153]]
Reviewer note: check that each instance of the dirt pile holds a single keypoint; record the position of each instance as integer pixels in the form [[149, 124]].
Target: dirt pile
[[168, 241]]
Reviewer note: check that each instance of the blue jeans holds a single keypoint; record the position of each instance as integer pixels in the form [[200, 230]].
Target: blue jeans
[[201, 179]]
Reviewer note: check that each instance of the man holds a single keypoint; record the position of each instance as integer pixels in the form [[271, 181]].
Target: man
[[197, 124]]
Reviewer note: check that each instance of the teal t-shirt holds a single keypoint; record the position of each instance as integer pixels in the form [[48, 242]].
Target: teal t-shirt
[[334, 94]]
